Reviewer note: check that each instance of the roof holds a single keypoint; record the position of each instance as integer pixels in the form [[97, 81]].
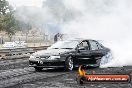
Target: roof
[[79, 39]]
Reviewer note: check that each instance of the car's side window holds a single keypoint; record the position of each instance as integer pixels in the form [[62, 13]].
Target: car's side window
[[99, 46], [83, 45], [93, 45]]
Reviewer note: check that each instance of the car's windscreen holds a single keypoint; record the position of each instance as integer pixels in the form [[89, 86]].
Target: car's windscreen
[[64, 45]]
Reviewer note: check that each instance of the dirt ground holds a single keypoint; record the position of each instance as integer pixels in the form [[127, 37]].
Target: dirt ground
[[17, 74]]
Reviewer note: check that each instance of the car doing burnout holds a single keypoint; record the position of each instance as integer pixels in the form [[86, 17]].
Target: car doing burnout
[[69, 54]]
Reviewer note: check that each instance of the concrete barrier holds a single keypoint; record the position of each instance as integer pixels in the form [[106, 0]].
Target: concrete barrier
[[17, 53]]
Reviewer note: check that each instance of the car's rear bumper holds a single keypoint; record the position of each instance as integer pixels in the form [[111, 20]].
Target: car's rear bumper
[[50, 64]]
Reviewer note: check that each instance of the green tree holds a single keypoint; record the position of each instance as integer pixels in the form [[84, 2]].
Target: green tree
[[10, 25], [24, 27], [4, 7], [7, 20]]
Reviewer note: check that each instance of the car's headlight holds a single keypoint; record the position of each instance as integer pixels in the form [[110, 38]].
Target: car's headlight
[[53, 57], [31, 57], [34, 58]]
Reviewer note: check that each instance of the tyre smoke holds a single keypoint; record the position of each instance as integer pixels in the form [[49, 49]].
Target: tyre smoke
[[107, 20]]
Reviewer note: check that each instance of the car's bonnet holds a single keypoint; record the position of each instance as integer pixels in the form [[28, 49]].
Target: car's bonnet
[[49, 52]]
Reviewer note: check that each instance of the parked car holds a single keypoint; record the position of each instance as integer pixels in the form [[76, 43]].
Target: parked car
[[69, 54], [15, 44]]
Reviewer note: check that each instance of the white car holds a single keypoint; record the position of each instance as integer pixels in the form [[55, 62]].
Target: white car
[[15, 44]]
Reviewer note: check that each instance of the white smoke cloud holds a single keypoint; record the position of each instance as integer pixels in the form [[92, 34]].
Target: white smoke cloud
[[47, 18], [18, 3], [107, 20]]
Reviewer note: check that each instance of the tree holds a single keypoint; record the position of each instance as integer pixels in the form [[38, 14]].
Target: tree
[[24, 27], [4, 10], [7, 20], [11, 25], [4, 7]]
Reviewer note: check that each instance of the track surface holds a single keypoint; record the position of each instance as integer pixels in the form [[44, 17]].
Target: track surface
[[17, 74]]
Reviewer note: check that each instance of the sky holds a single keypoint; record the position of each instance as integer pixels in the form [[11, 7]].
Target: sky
[[18, 3]]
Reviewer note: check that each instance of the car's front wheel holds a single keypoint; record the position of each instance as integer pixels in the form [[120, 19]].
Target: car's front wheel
[[38, 69], [69, 64]]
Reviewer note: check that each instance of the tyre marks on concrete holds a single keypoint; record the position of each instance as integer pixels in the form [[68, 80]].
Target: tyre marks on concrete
[[18, 76], [14, 72], [12, 64], [69, 80]]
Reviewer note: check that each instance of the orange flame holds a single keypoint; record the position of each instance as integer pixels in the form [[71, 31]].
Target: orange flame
[[81, 71]]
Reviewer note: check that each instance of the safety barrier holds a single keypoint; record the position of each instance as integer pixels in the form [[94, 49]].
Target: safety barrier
[[19, 52]]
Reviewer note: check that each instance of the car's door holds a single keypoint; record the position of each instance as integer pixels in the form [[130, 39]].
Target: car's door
[[83, 53], [102, 49], [95, 51]]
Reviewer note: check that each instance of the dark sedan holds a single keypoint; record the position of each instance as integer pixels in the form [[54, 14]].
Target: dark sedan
[[69, 54]]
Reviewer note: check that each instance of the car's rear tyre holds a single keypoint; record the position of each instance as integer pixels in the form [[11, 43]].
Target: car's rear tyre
[[38, 69], [106, 59], [69, 64], [98, 61]]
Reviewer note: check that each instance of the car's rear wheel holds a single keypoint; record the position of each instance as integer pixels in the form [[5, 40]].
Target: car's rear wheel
[[69, 64], [98, 62], [106, 59], [38, 69]]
